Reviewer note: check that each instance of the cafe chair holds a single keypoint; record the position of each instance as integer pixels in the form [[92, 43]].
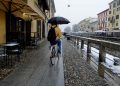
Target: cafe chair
[[3, 57], [14, 51]]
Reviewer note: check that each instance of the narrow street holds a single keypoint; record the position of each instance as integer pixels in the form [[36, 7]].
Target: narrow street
[[35, 69]]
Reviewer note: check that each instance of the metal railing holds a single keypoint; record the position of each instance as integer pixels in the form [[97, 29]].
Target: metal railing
[[101, 55]]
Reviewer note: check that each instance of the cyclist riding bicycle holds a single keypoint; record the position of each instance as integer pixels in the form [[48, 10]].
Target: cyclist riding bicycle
[[54, 36]]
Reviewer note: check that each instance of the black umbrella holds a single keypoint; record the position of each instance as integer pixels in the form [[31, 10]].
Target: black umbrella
[[58, 20]]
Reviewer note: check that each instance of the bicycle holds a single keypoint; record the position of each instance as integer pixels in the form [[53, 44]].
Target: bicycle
[[54, 53]]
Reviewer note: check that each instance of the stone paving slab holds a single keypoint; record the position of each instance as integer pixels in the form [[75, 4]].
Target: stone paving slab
[[35, 70], [76, 70]]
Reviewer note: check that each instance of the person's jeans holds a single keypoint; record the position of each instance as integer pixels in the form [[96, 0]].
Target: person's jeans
[[59, 45]]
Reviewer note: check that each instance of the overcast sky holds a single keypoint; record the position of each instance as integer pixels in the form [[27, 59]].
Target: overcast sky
[[79, 9]]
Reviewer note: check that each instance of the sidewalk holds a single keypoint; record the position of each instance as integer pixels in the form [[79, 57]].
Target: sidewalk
[[35, 70], [77, 71]]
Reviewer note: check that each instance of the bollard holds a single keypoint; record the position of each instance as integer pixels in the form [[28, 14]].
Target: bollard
[[82, 44], [88, 48], [74, 41], [77, 42], [88, 58], [101, 70], [68, 37], [101, 53]]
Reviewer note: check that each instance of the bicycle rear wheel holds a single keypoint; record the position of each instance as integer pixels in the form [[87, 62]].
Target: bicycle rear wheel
[[53, 54]]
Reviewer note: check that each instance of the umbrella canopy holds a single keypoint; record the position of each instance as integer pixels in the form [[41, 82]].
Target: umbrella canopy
[[58, 20]]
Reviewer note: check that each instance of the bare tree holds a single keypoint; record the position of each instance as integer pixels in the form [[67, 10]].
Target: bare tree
[[67, 29], [75, 28]]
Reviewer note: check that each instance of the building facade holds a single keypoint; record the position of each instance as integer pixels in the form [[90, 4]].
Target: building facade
[[75, 28], [114, 13], [103, 20], [51, 12], [23, 19], [94, 25], [85, 24], [2, 27]]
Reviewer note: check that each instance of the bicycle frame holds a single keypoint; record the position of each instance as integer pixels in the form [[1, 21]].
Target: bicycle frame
[[54, 53]]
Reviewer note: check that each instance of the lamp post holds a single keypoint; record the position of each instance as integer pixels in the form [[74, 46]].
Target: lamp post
[[8, 27]]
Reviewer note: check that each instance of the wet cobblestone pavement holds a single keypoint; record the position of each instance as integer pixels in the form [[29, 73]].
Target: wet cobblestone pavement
[[76, 70], [34, 69]]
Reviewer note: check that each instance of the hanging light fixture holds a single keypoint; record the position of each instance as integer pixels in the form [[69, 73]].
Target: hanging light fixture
[[27, 17]]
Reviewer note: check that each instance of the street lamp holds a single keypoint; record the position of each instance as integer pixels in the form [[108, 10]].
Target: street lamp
[[68, 5]]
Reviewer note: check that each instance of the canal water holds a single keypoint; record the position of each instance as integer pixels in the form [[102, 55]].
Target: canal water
[[107, 70]]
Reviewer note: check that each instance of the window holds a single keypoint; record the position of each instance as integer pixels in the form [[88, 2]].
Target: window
[[109, 12], [109, 19], [18, 25], [114, 4], [88, 26], [114, 11], [117, 9], [113, 19], [106, 18], [39, 2], [117, 16], [116, 24], [110, 6], [118, 2]]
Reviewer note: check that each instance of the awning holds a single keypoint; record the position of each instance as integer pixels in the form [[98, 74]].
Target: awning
[[15, 5], [18, 8]]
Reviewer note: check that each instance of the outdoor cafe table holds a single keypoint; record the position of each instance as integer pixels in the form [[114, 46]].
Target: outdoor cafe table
[[10, 44], [9, 49]]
